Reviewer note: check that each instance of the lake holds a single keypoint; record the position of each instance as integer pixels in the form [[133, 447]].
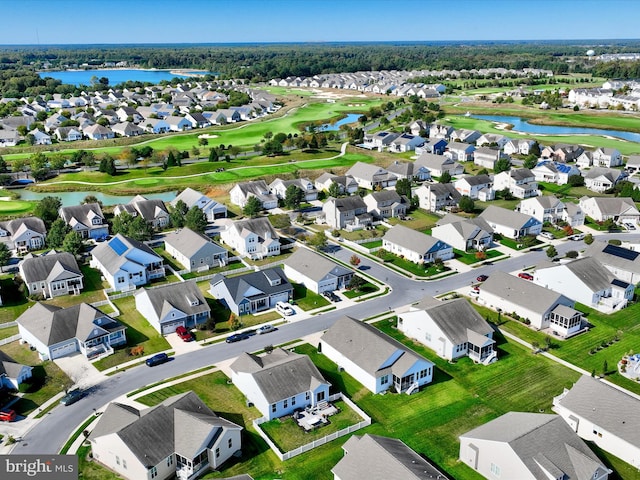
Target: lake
[[332, 127], [115, 76], [522, 125], [76, 198]]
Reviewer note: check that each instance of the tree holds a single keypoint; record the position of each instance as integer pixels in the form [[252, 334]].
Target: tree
[[588, 239], [502, 165], [3, 165], [176, 216], [576, 180], [293, 197], [552, 252], [445, 177], [57, 233], [39, 166], [195, 219], [5, 254], [272, 148], [213, 155], [355, 260], [18, 165], [281, 220], [72, 243], [356, 283], [605, 368], [58, 162], [467, 204], [91, 199], [234, 151], [403, 187], [139, 229], [334, 190], [253, 207], [530, 162], [318, 240], [107, 165], [47, 209], [203, 141], [572, 254], [171, 159]]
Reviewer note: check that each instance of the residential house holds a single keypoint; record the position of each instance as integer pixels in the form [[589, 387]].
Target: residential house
[[127, 129], [405, 143], [601, 179], [68, 134], [573, 214], [168, 307], [437, 130], [279, 188], [529, 446], [40, 138], [280, 382], [463, 135], [379, 140], [252, 292], [509, 223], [254, 238], [346, 183], [604, 415], [435, 197], [462, 152], [51, 274], [197, 120], [374, 359], [436, 146], [586, 281], [346, 212], [179, 438], [521, 146], [209, 206], [409, 171], [126, 263], [223, 116], [178, 124], [153, 212], [566, 153], [492, 139], [415, 246], [241, 192], [554, 172], [386, 204], [98, 132], [463, 233], [56, 332], [156, 125], [619, 209], [476, 187], [9, 138], [86, 219], [382, 458], [371, 176], [545, 208], [453, 329], [316, 272], [606, 157], [487, 157], [195, 252], [12, 373], [622, 262], [438, 164], [521, 182], [129, 114], [544, 308], [633, 164], [23, 234], [417, 126]]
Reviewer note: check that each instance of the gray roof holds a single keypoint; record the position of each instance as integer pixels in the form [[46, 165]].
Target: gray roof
[[413, 240], [611, 174], [112, 259], [370, 172], [258, 188], [32, 223], [521, 292], [280, 374], [314, 266], [254, 284], [503, 216], [368, 347], [591, 272], [148, 209], [433, 161], [605, 406], [176, 295], [191, 243], [614, 256], [474, 180], [9, 367], [181, 424], [520, 174], [455, 318], [614, 206], [81, 213], [50, 267], [382, 458], [545, 201], [344, 204], [261, 226], [51, 324], [542, 440]]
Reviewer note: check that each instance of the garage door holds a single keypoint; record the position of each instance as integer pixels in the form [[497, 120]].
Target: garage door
[[170, 327], [63, 350]]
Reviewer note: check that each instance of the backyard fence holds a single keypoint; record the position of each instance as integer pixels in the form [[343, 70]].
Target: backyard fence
[[13, 338]]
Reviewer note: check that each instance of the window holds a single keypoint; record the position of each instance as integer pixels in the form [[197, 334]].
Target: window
[[117, 460], [427, 337], [495, 469], [293, 401], [273, 408], [154, 472], [384, 379], [307, 396], [285, 403], [217, 452], [169, 460], [230, 443], [124, 463]]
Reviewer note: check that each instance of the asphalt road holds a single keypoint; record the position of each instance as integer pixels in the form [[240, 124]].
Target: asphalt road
[[49, 434]]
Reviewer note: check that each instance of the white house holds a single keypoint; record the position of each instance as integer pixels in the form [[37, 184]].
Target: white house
[[379, 140], [519, 146], [452, 329], [476, 187], [209, 206], [316, 272], [12, 373], [460, 151], [464, 233], [280, 382], [386, 204], [604, 415], [438, 164], [153, 211], [23, 234], [194, 251], [346, 212], [254, 238], [179, 438], [405, 143], [346, 183], [487, 157], [374, 359], [554, 172], [371, 176], [241, 192], [51, 274], [545, 208], [601, 179], [509, 223], [279, 188], [437, 196], [415, 246], [521, 182], [622, 262], [619, 209]]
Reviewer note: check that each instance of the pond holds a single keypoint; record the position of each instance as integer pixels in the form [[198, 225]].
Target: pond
[[332, 127], [76, 198], [115, 76], [522, 125]]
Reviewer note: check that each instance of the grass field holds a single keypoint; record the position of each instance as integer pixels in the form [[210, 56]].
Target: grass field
[[13, 208]]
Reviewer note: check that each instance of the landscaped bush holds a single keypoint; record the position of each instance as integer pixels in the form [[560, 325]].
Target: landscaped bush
[[615, 241], [572, 254]]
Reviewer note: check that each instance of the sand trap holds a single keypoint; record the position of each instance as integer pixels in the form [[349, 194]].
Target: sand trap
[[208, 135]]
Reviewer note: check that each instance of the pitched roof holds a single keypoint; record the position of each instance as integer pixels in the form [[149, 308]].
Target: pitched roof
[[542, 441], [614, 256], [148, 209], [370, 172], [190, 243], [120, 250], [9, 367], [280, 374], [509, 218], [183, 296], [314, 266], [247, 285], [81, 213], [614, 206], [50, 267], [32, 223], [474, 180], [413, 240], [591, 272], [455, 318], [382, 458], [261, 226]]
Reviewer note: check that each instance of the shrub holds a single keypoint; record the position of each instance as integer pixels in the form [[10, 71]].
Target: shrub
[[615, 241], [572, 254]]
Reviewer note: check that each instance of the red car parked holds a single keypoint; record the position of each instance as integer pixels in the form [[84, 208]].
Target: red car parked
[[7, 415], [525, 275], [184, 334]]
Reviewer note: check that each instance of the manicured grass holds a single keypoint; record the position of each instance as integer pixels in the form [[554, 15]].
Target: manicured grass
[[92, 291], [417, 219], [420, 270], [139, 333], [469, 258], [91, 470], [306, 299], [377, 232], [65, 448], [372, 244], [229, 266], [288, 435], [8, 332], [14, 208], [14, 303], [366, 289]]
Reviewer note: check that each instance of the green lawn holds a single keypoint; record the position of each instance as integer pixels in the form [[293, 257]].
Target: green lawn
[[15, 208], [14, 303], [372, 244], [91, 470], [229, 266], [414, 268], [417, 219], [306, 299], [366, 289], [139, 333], [92, 291], [469, 258], [8, 332]]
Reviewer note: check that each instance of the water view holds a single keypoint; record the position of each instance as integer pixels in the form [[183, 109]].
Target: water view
[[522, 125], [332, 127], [76, 198], [115, 76]]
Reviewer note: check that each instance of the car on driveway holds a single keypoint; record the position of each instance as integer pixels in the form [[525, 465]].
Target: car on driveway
[[7, 415], [236, 337], [184, 334], [71, 397], [157, 359], [265, 329], [577, 237], [331, 296], [547, 235], [525, 275], [284, 309], [482, 278]]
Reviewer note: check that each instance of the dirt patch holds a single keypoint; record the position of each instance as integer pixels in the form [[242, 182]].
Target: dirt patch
[[215, 192]]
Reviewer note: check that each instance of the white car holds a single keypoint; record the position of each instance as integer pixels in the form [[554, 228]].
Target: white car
[[284, 309], [548, 235], [265, 329]]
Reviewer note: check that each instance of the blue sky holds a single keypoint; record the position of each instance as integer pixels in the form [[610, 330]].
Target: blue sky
[[222, 21]]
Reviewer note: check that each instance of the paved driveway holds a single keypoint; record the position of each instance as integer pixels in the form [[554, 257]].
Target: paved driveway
[[179, 345], [80, 370]]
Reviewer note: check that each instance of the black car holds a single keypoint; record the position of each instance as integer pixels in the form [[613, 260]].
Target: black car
[[72, 397], [158, 359], [331, 296], [236, 337]]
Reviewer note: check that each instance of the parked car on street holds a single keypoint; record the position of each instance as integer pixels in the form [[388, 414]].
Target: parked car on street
[[265, 329], [236, 337], [157, 359], [577, 237], [71, 397], [482, 278], [525, 275]]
